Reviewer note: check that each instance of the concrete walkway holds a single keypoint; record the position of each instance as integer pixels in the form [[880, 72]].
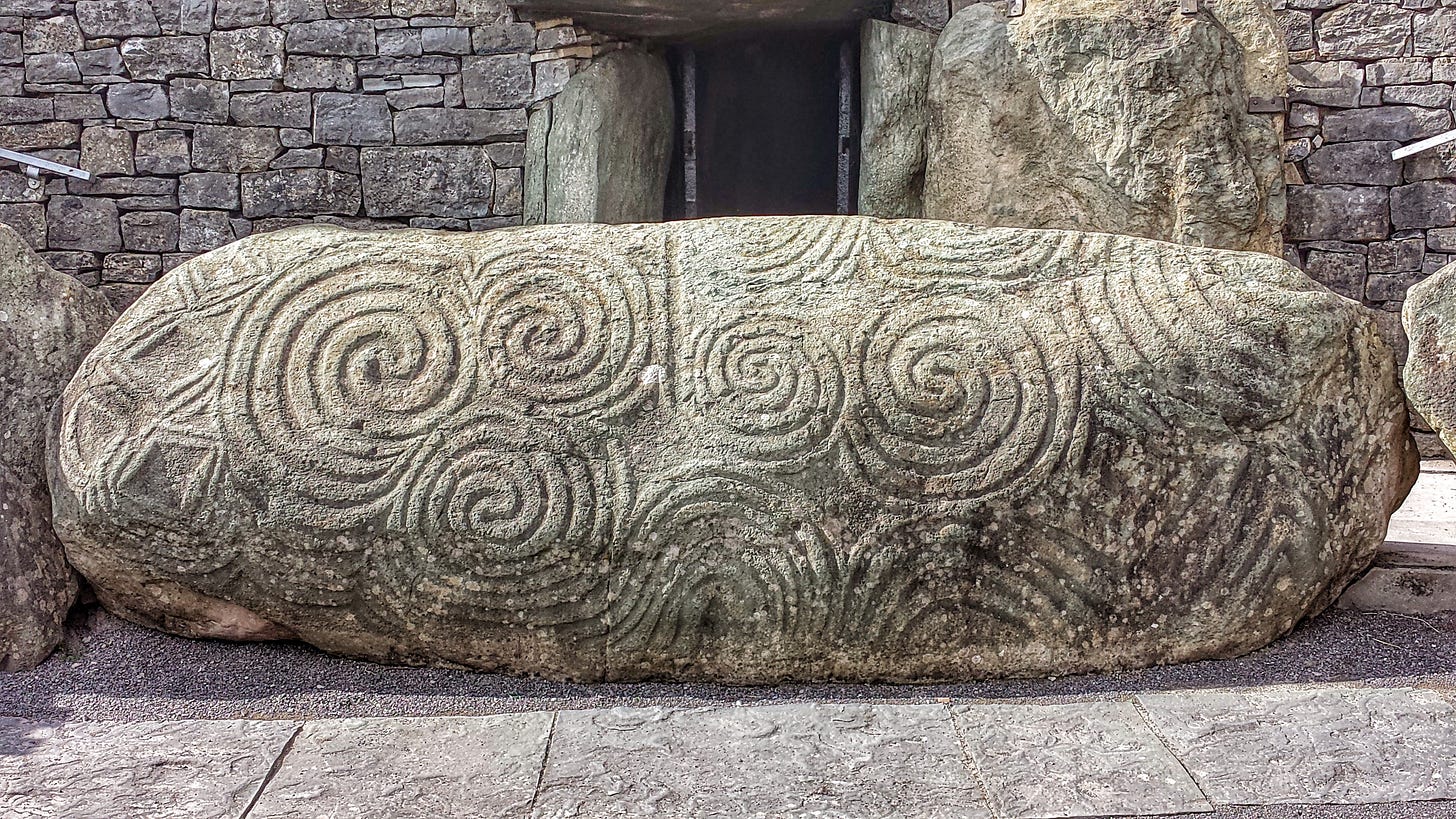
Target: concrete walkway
[[1185, 752]]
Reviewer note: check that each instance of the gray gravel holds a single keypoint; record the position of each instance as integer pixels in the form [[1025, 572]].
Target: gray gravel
[[112, 670]]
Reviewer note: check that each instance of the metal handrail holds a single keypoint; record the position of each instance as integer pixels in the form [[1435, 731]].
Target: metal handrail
[[33, 165]]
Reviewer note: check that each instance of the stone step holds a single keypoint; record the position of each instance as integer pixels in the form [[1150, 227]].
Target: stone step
[[1415, 571]]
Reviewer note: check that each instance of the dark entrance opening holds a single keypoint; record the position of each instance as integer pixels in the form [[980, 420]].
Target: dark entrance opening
[[769, 125]]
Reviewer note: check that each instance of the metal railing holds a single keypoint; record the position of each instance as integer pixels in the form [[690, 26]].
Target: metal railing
[[33, 166]]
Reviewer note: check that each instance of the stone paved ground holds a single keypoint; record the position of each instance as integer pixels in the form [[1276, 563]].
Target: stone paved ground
[[1353, 715]]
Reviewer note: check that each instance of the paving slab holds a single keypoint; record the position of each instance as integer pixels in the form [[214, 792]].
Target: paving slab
[[1075, 760], [146, 770], [1311, 746], [1415, 569], [433, 768], [823, 761]]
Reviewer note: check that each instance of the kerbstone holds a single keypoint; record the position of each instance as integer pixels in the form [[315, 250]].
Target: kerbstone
[[454, 181], [410, 768], [1030, 128], [785, 760], [592, 451], [1351, 746], [48, 322], [165, 770]]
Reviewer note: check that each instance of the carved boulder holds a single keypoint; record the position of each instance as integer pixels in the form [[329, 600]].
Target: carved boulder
[[48, 322], [743, 450]]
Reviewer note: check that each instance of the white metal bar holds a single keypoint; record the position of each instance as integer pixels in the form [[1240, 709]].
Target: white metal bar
[[1424, 145], [44, 164]]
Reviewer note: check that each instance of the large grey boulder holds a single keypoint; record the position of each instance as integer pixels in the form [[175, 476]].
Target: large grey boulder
[[1429, 316], [1122, 116], [48, 322], [740, 449]]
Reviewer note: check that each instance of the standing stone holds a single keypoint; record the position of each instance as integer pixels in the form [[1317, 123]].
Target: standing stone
[[606, 155], [734, 449], [1039, 121], [894, 80], [48, 322], [453, 181], [1429, 316]]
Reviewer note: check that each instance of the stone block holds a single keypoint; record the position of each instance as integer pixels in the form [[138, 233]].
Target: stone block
[[399, 42], [407, 98], [242, 13], [295, 137], [48, 322], [196, 16], [299, 158], [351, 119], [107, 151], [79, 106], [83, 223], [437, 126], [149, 231], [589, 452], [1397, 256], [1331, 84], [163, 152], [284, 110], [51, 68], [483, 13], [161, 58], [423, 8], [138, 100], [28, 220], [1423, 205], [203, 230], [247, 53], [1342, 212], [117, 18], [198, 100], [1441, 240], [1395, 122], [1342, 272], [99, 62], [1357, 163], [40, 135], [1430, 95], [1404, 71], [1435, 33], [321, 73], [300, 192], [1363, 31], [1390, 287], [133, 268], [509, 192], [455, 181], [503, 38], [342, 158], [357, 8], [332, 38], [233, 149], [931, 15], [1298, 29], [44, 35], [497, 81], [26, 109], [446, 40], [209, 190], [298, 11]]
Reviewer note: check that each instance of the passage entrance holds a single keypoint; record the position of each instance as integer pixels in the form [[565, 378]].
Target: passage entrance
[[769, 125]]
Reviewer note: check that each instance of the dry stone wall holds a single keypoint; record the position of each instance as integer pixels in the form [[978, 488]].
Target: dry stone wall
[[204, 122]]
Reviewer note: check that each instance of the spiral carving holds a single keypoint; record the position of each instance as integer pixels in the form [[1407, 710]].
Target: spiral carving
[[345, 366], [774, 384], [567, 328], [785, 250], [963, 404]]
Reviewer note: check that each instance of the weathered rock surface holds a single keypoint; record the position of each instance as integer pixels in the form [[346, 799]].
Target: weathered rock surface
[[1108, 115], [675, 18], [737, 449], [1429, 317], [48, 322], [894, 79], [602, 151]]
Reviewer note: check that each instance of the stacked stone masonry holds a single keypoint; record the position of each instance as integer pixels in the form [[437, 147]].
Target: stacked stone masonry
[[205, 121]]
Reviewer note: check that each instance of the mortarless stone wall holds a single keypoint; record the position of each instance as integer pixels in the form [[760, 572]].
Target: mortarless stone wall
[[208, 120]]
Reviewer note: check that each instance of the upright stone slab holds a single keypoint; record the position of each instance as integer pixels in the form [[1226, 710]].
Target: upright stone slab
[[605, 144], [1429, 317], [737, 449], [1110, 115], [894, 79], [48, 322]]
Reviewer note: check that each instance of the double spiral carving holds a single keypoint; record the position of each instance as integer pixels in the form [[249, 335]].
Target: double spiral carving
[[567, 328], [336, 374], [963, 403], [773, 384]]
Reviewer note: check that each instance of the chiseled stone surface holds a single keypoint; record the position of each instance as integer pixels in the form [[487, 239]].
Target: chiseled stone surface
[[812, 760], [198, 769], [1081, 759], [404, 768], [1293, 745], [894, 80], [735, 449], [1042, 121], [48, 322], [1429, 317]]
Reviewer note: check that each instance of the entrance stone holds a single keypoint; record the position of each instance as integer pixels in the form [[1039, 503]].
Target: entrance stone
[[48, 322], [737, 449], [1045, 120]]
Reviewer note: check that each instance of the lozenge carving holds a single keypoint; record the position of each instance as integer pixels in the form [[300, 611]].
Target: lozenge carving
[[747, 450]]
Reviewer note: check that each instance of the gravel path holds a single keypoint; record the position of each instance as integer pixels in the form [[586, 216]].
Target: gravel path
[[112, 670]]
